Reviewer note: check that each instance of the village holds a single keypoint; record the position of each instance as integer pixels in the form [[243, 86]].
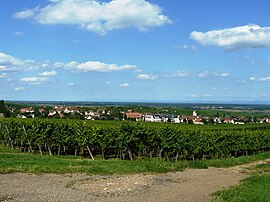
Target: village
[[72, 112]]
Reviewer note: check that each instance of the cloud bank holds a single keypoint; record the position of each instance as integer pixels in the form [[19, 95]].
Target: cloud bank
[[34, 80], [147, 77], [11, 63], [47, 74], [248, 36], [97, 16], [96, 66]]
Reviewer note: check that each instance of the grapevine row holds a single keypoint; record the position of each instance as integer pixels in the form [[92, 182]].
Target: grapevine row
[[130, 140]]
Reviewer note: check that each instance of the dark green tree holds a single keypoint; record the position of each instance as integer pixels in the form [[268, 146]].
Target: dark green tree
[[4, 109]]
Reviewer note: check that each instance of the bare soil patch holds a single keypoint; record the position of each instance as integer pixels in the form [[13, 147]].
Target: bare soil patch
[[190, 185]]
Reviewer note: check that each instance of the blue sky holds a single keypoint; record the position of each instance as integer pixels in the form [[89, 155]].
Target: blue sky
[[135, 50]]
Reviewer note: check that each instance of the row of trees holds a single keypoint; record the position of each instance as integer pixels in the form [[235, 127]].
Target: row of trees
[[131, 140]]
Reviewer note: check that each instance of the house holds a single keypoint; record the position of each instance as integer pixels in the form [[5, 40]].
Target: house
[[152, 118], [66, 111], [239, 122], [27, 110], [21, 116], [73, 110], [133, 115], [264, 120], [176, 120], [41, 110], [59, 109], [61, 115], [217, 120], [228, 121], [52, 113], [96, 115], [197, 121], [88, 118], [90, 115]]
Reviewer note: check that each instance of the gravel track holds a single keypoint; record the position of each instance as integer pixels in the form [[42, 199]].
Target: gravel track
[[190, 185]]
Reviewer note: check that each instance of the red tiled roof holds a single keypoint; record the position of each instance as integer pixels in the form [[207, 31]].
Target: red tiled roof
[[133, 115], [23, 110]]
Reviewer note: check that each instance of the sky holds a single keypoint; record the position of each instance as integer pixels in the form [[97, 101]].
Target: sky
[[135, 50]]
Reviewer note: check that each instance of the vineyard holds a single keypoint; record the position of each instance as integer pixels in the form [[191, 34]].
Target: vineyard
[[129, 140]]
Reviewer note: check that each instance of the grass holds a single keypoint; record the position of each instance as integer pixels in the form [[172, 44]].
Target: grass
[[254, 188], [13, 161], [230, 162]]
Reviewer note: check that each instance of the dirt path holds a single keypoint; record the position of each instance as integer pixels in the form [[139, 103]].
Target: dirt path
[[190, 185]]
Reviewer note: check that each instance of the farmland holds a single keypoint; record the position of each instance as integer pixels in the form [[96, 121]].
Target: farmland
[[131, 140], [114, 147]]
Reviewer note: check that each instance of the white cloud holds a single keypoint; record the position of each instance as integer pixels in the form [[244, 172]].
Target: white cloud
[[19, 33], [147, 77], [226, 74], [180, 74], [96, 66], [198, 96], [124, 85], [58, 64], [252, 78], [186, 46], [97, 16], [34, 80], [204, 74], [19, 88], [8, 60], [47, 74], [264, 79], [28, 13], [260, 95], [3, 75], [71, 84], [248, 36], [108, 82], [214, 74], [10, 63]]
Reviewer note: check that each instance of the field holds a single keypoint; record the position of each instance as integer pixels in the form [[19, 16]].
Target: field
[[105, 148], [131, 140]]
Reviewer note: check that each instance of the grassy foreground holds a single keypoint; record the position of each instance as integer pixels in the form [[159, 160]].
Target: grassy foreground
[[14, 161], [254, 188]]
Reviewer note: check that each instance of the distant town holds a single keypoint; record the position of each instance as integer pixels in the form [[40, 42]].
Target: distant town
[[161, 114]]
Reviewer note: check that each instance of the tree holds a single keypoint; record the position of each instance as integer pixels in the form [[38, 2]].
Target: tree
[[3, 109]]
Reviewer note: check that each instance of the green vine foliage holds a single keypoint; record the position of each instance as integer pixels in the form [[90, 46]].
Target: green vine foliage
[[130, 140]]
